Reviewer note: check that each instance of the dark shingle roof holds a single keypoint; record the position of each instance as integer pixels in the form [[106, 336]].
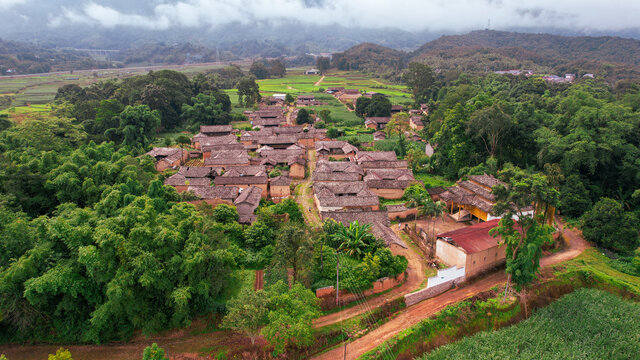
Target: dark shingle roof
[[226, 157], [280, 181], [179, 180], [229, 193], [345, 194]]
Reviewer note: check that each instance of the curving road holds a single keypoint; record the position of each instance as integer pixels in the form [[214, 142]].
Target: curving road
[[425, 309]]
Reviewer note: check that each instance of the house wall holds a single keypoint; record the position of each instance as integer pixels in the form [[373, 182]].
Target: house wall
[[450, 255], [372, 126], [280, 191], [409, 213], [244, 208], [484, 260], [476, 212], [297, 171], [388, 193]]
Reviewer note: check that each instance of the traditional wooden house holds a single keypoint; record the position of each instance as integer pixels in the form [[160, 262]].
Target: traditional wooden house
[[206, 144], [472, 198], [247, 203], [471, 247], [182, 183], [296, 165], [396, 109], [415, 122], [344, 195], [389, 183], [379, 135], [311, 136], [337, 171], [244, 177], [379, 160], [215, 195], [167, 158], [349, 95], [216, 130], [377, 123], [227, 158], [334, 90], [335, 149], [279, 188]]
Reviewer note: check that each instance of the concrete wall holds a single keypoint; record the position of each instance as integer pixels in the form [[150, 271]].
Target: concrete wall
[[388, 193], [484, 260], [450, 255], [421, 295]]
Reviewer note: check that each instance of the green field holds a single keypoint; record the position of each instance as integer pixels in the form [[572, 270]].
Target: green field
[[586, 324]]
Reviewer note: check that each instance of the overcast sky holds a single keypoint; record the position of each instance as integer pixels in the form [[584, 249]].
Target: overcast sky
[[410, 15]]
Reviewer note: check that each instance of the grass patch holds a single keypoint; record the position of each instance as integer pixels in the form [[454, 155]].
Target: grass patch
[[238, 280], [431, 181], [587, 324]]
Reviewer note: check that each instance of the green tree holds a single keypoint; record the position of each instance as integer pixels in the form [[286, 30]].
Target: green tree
[[259, 70], [293, 248], [248, 91], [157, 98], [289, 99], [303, 117], [291, 313], [61, 354], [277, 68], [362, 103], [153, 352], [455, 149], [137, 124], [5, 123], [574, 197], [525, 236], [490, 124], [379, 106], [399, 124], [105, 115], [247, 313], [420, 80], [205, 111], [356, 240], [609, 226], [323, 64], [225, 214]]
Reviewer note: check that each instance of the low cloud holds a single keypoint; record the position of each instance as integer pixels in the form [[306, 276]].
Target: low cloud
[[410, 15], [5, 4]]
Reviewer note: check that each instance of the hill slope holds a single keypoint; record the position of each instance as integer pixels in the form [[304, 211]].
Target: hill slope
[[602, 48]]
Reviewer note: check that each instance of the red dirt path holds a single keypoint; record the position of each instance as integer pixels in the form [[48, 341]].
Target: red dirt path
[[423, 310]]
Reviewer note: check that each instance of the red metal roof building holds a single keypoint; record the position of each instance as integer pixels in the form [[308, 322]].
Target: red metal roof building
[[471, 247]]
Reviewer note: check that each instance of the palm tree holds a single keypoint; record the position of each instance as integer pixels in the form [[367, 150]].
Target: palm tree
[[355, 239], [418, 201]]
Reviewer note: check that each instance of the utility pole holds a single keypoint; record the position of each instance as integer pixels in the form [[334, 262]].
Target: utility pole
[[337, 279]]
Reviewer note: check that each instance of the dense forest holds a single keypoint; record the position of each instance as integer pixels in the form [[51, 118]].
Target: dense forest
[[478, 52]]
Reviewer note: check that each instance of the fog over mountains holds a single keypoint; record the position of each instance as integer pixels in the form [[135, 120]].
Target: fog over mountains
[[312, 25]]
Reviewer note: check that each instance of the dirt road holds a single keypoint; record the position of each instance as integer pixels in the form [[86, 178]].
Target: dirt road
[[414, 314], [319, 81], [415, 277], [304, 194]]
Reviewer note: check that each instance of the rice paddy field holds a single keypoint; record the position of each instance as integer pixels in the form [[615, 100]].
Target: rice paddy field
[[586, 324]]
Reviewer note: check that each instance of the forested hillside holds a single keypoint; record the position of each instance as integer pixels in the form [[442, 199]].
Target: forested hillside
[[602, 48]]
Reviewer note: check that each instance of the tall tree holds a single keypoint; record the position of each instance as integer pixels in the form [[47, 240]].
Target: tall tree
[[247, 313], [521, 232], [205, 111], [490, 124], [609, 226], [277, 68], [323, 64], [291, 313], [294, 247], [248, 91], [259, 70], [137, 124], [303, 117], [420, 80]]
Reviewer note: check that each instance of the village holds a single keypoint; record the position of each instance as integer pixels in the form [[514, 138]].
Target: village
[[332, 179]]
